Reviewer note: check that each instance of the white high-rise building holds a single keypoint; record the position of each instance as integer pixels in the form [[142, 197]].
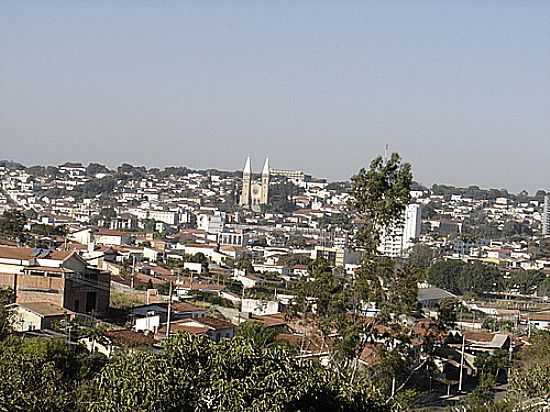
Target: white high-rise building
[[397, 240], [546, 216]]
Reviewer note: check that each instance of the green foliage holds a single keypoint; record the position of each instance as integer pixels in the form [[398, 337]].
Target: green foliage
[[258, 334], [48, 230], [190, 374], [43, 374], [296, 241], [543, 288], [389, 283], [96, 187], [526, 281], [530, 377], [483, 394], [473, 192], [295, 259], [464, 277], [244, 264], [194, 374], [281, 194], [341, 220], [379, 197], [327, 290], [12, 223], [6, 316], [95, 168], [447, 311], [421, 256]]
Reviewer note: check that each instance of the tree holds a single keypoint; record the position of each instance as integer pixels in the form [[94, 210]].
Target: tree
[[379, 197], [12, 224], [526, 282], [257, 333], [96, 168], [200, 258], [194, 373], [244, 264], [543, 288], [421, 256], [43, 374], [447, 311], [530, 376], [6, 316], [456, 275]]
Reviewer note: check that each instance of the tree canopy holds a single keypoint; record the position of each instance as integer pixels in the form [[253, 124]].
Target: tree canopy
[[456, 275]]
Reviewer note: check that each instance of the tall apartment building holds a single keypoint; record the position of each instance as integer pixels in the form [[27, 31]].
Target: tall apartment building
[[397, 240], [546, 216]]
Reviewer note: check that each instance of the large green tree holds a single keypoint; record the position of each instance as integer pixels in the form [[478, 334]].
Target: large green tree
[[379, 197], [462, 277], [193, 374]]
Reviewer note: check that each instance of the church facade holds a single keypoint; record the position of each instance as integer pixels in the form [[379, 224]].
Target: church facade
[[255, 193]]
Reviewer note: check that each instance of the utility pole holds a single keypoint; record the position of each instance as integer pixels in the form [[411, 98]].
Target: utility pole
[[462, 362], [169, 311], [133, 271]]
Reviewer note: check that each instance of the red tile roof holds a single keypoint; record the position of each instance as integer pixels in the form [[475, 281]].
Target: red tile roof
[[25, 253]]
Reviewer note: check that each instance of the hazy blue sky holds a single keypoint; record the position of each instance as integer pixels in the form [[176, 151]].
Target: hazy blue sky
[[461, 88]]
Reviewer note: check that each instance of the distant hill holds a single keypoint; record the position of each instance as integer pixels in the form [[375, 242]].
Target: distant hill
[[11, 165]]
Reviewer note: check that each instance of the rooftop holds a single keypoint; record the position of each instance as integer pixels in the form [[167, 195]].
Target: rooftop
[[44, 308]]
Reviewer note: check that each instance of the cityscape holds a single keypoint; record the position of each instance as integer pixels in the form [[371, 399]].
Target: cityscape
[[279, 206]]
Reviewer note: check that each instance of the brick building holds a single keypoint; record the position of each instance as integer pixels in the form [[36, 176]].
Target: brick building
[[59, 277]]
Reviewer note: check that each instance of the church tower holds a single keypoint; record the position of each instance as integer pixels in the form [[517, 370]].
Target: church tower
[[247, 184], [265, 183]]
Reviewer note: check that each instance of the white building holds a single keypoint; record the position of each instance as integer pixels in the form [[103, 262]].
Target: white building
[[165, 216], [211, 222], [546, 216], [397, 240]]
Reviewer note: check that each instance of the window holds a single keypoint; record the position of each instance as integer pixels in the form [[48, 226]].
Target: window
[[91, 301]]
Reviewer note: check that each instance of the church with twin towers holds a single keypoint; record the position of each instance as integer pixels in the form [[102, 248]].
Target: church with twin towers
[[255, 193]]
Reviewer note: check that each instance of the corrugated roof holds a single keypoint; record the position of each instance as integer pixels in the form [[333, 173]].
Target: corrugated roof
[[425, 294]]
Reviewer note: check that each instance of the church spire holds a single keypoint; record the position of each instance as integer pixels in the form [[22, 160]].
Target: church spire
[[247, 168], [266, 167]]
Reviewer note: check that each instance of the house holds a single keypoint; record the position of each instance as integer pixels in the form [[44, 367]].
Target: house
[[260, 307], [430, 297], [477, 342], [249, 281], [211, 221], [539, 320], [62, 278], [300, 271], [215, 329], [150, 317], [111, 237], [116, 340], [185, 285], [194, 267], [124, 221], [37, 315], [187, 310], [83, 236]]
